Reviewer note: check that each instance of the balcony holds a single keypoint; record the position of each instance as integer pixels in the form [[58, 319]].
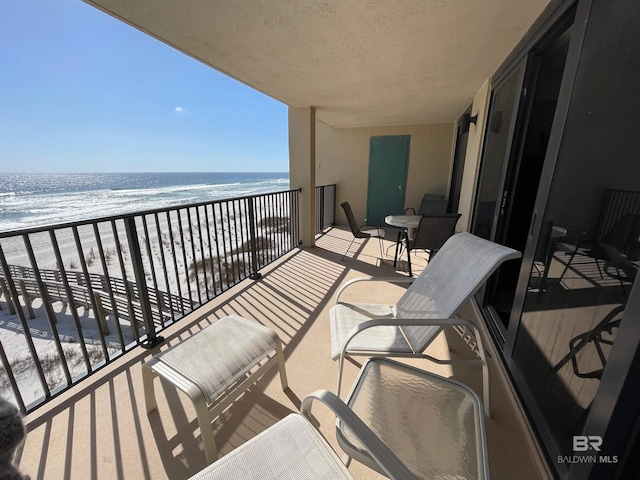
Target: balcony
[[99, 428]]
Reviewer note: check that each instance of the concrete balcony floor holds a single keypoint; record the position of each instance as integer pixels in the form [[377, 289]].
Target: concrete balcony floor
[[100, 429]]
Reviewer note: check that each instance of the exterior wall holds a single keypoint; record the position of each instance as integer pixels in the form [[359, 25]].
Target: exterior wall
[[472, 157], [342, 157]]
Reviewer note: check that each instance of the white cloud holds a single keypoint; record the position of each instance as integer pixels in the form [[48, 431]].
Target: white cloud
[[180, 110]]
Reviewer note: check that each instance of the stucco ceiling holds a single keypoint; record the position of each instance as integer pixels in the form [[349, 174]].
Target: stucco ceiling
[[360, 63]]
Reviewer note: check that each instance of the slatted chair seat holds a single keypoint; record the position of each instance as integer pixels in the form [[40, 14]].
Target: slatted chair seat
[[214, 367], [292, 449]]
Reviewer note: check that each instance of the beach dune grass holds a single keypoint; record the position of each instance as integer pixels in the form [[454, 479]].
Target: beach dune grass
[[276, 224], [51, 365], [225, 272], [230, 270]]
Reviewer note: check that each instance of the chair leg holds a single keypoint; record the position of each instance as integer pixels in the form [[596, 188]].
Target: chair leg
[[348, 248], [599, 269], [283, 372], [409, 260], [148, 376], [206, 429], [395, 258], [566, 266], [340, 369]]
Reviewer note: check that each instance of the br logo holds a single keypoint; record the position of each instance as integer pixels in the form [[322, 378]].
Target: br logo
[[582, 443]]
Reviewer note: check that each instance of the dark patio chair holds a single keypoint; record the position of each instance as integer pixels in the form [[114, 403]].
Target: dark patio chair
[[431, 234], [617, 265], [430, 205], [357, 229], [550, 235], [594, 336], [622, 237]]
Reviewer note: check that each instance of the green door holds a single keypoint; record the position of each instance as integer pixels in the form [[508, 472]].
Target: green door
[[388, 162]]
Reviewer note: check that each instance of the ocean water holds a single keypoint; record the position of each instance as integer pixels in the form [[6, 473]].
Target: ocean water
[[31, 200]]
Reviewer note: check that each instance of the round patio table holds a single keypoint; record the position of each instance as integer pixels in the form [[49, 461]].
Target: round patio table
[[407, 224]]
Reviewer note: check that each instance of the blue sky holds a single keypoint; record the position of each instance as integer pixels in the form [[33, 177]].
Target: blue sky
[[83, 92]]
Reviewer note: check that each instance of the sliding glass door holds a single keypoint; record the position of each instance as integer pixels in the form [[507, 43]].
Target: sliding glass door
[[573, 203]]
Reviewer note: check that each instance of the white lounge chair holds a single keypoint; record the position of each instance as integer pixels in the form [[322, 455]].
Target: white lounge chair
[[433, 424], [462, 266], [293, 449]]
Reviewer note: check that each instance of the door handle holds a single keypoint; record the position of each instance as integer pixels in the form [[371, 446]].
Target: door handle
[[399, 187]]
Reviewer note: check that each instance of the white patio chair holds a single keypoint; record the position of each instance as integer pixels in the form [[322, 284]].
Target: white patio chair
[[406, 329], [433, 424], [293, 449]]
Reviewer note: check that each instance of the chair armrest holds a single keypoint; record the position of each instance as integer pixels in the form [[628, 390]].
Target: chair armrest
[[387, 460], [409, 322], [410, 208], [372, 279], [576, 237]]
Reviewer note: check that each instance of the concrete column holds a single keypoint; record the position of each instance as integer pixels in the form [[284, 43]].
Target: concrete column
[[471, 170], [302, 167]]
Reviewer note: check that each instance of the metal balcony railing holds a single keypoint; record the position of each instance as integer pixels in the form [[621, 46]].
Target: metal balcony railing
[[79, 295], [325, 207]]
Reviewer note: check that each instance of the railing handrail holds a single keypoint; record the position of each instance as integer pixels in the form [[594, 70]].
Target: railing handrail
[[123, 216]]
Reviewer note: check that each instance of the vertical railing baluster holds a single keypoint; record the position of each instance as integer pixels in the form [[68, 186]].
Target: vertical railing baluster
[[264, 232], [255, 275], [105, 269], [230, 280], [25, 326], [283, 224], [193, 255], [296, 215], [46, 302], [210, 262], [12, 379], [293, 222], [70, 299], [284, 239], [237, 236], [322, 213], [164, 267], [94, 305], [184, 257], [218, 259], [156, 291], [318, 193], [125, 283], [245, 239], [224, 282], [175, 263], [273, 222], [204, 262], [333, 204], [138, 272], [262, 245], [268, 223]]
